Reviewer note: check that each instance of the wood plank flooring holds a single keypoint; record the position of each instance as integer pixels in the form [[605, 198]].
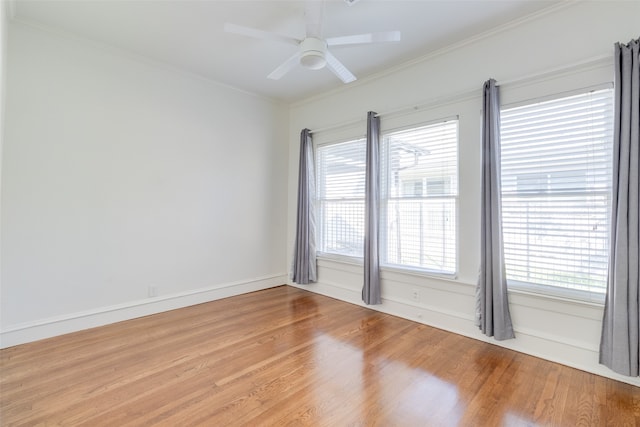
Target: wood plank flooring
[[284, 356]]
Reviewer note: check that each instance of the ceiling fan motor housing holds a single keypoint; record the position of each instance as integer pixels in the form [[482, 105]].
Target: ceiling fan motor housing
[[312, 53]]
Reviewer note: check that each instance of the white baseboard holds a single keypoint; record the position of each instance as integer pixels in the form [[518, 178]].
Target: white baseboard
[[546, 346], [47, 328]]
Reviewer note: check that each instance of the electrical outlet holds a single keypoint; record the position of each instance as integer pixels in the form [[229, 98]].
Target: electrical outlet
[[152, 291], [415, 295]]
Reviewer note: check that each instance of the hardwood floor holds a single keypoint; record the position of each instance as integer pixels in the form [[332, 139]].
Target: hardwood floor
[[289, 357]]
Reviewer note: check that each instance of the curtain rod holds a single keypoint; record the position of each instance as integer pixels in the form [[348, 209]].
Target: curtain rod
[[469, 94], [398, 112]]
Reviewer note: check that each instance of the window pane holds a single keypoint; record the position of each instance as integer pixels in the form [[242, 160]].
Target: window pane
[[419, 197], [341, 173], [556, 186]]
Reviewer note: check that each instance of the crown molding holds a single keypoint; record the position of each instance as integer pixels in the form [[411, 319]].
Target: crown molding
[[442, 51]]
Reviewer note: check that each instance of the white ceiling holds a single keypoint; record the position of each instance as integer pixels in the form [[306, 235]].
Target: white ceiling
[[188, 34]]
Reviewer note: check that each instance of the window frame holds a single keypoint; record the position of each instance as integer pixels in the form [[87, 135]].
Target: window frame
[[563, 292], [335, 256], [384, 199]]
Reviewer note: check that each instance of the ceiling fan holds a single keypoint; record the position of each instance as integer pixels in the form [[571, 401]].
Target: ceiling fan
[[313, 51]]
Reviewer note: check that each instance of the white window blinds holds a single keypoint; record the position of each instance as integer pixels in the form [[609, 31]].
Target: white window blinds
[[419, 183], [340, 175], [556, 187]]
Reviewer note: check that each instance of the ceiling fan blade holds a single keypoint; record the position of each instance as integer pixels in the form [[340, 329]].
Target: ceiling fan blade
[[386, 36], [338, 68], [285, 67], [259, 34], [313, 11]]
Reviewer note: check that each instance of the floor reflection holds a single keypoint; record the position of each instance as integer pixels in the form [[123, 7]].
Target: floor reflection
[[383, 370], [383, 382], [428, 399], [514, 420]]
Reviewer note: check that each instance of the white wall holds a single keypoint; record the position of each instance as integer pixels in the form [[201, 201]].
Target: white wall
[[120, 174], [567, 48], [4, 41]]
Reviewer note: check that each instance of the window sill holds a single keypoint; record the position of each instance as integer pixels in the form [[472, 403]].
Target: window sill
[[419, 272], [342, 259], [560, 295], [356, 261]]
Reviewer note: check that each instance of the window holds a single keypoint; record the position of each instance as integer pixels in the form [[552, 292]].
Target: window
[[419, 172], [340, 180], [556, 188]]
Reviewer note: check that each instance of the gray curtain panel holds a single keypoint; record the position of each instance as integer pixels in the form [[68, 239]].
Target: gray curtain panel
[[492, 307], [619, 343], [371, 289], [304, 253]]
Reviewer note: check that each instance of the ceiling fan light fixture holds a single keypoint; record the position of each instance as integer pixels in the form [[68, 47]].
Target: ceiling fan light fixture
[[313, 60], [312, 53]]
